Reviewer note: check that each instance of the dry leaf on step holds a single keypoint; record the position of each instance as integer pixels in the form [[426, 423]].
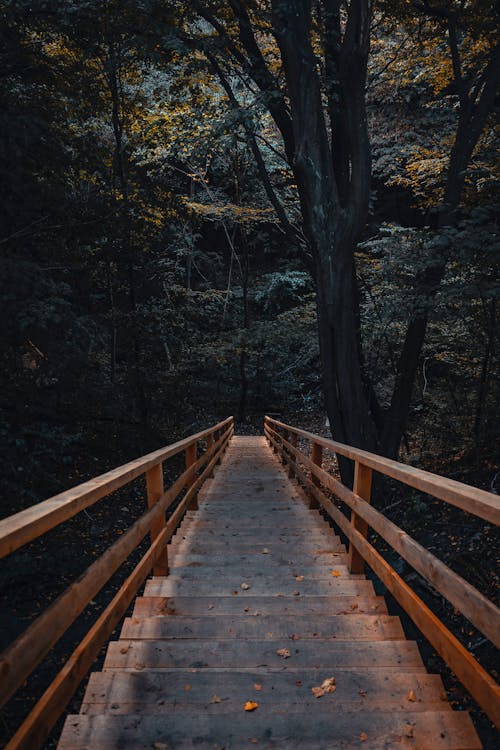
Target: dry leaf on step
[[187, 687], [215, 699], [265, 551], [244, 586], [251, 706], [257, 686], [284, 653], [299, 578], [411, 697], [363, 736], [335, 573], [327, 686]]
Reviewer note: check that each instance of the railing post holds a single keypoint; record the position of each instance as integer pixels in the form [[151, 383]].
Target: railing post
[[283, 454], [293, 458], [316, 458], [362, 486], [154, 488], [191, 456], [210, 442]]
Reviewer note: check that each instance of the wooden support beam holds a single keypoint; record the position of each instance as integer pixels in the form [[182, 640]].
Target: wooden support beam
[[154, 486], [292, 459], [210, 442], [317, 459], [191, 454], [362, 487]]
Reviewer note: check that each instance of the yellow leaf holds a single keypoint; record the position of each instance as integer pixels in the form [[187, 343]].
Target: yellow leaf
[[251, 706], [411, 697], [335, 573], [187, 687], [363, 736]]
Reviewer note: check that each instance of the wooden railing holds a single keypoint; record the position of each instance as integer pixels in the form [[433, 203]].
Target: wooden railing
[[318, 483], [21, 658]]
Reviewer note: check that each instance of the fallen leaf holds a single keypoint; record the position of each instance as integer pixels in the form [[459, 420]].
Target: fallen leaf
[[160, 746], [246, 609], [265, 551], [296, 593], [362, 693], [211, 606], [244, 586], [251, 706], [411, 697], [124, 650], [295, 637], [187, 687], [327, 686], [257, 686], [235, 593], [215, 699], [299, 578], [284, 653], [354, 605], [363, 736], [335, 573], [298, 683]]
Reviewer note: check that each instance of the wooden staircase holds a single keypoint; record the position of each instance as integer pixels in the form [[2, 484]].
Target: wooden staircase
[[259, 611]]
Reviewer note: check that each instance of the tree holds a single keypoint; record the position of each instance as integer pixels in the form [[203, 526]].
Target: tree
[[308, 62]]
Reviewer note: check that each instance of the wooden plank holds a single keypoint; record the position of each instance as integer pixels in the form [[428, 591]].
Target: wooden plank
[[444, 730], [160, 606], [362, 487], [233, 654], [338, 627], [260, 569], [148, 692], [480, 503], [23, 527], [155, 490], [268, 586]]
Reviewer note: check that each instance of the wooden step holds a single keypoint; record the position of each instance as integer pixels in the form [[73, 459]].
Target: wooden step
[[300, 627], [233, 654], [329, 560], [261, 568], [322, 728], [219, 547], [269, 586], [155, 606], [160, 692]]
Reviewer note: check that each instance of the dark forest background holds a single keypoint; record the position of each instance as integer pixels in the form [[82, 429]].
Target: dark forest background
[[156, 267], [147, 285]]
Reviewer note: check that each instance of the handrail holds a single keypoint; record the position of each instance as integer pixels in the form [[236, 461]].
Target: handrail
[[21, 528], [477, 608], [480, 503], [22, 656]]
